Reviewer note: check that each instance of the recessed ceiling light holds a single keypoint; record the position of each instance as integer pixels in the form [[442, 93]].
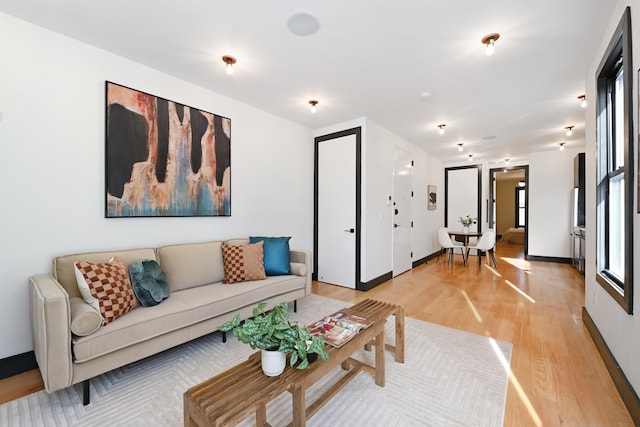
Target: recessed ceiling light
[[303, 24], [425, 96]]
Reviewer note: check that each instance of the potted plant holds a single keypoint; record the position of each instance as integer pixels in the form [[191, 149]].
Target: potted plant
[[273, 334], [466, 222]]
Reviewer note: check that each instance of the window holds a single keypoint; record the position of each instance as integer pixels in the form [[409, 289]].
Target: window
[[614, 214], [520, 206]]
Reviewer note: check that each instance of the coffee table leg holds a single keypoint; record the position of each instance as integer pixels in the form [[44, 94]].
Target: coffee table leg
[[299, 407], [261, 415], [399, 353], [380, 359]]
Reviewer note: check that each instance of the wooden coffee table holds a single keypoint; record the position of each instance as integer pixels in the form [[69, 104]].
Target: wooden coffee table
[[233, 395]]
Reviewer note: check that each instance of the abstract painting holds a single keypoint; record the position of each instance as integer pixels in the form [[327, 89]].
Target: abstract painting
[[164, 158]]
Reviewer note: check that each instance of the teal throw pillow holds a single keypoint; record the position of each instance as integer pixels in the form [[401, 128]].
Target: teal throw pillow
[[149, 282], [276, 254]]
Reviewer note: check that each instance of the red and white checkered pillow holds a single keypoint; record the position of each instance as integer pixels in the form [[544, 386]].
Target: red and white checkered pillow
[[109, 285], [242, 263]]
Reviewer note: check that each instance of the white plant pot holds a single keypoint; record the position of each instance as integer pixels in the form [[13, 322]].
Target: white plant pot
[[465, 230], [273, 362]]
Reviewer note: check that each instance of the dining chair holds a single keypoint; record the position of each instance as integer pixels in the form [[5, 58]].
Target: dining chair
[[486, 244], [447, 244]]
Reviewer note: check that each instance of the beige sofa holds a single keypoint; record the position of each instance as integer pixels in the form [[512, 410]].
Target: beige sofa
[[67, 349]]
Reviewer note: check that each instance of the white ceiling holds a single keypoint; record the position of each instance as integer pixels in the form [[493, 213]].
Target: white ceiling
[[370, 58]]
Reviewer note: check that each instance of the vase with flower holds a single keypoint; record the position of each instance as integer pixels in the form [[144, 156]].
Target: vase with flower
[[467, 221]]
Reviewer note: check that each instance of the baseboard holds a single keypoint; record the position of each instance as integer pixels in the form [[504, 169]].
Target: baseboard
[[559, 260], [426, 259], [14, 365], [367, 286], [627, 393]]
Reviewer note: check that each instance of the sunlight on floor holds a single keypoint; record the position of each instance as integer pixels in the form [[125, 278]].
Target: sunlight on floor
[[518, 263], [495, 272], [516, 384], [520, 291], [472, 307]]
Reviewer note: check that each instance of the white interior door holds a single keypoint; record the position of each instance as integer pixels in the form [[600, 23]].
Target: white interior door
[[402, 186], [337, 211]]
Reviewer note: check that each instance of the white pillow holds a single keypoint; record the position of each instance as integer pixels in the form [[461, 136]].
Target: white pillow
[[83, 286]]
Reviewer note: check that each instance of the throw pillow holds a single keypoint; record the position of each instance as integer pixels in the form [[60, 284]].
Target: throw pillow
[[276, 254], [149, 282], [243, 263], [109, 285]]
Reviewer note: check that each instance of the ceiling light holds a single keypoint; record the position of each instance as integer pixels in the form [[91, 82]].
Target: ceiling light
[[441, 127], [470, 157], [583, 101], [229, 60], [569, 130], [520, 183], [489, 40], [460, 146], [313, 104], [561, 146], [506, 161]]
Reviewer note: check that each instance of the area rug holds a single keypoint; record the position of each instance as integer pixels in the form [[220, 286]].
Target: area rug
[[449, 378]]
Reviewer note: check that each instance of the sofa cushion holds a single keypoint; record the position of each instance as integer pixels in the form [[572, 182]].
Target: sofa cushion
[[242, 263], [109, 284], [149, 282], [276, 254], [63, 270], [184, 308], [85, 320], [298, 268], [192, 264]]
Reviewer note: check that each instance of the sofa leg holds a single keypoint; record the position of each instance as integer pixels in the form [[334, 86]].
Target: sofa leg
[[85, 393], [224, 336], [295, 305]]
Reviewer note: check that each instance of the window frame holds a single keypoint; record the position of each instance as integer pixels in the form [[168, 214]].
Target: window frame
[[616, 58], [520, 190]]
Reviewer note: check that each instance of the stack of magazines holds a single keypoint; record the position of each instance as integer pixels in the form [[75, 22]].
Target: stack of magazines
[[339, 328]]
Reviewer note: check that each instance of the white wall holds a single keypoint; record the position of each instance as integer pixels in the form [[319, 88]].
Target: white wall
[[377, 186], [52, 135], [550, 187], [620, 330]]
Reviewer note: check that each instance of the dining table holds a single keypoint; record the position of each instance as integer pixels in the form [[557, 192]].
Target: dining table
[[464, 236]]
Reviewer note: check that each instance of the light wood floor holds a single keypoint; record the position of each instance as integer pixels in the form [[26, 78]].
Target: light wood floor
[[558, 377]]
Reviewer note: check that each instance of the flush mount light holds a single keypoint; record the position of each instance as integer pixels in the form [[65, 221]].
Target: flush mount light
[[561, 146], [506, 161], [229, 60], [583, 101], [489, 40], [470, 157], [303, 24], [520, 183], [460, 146], [569, 130], [313, 104], [441, 127]]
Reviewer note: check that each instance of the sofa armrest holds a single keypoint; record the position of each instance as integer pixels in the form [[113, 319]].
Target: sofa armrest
[[51, 331], [302, 256]]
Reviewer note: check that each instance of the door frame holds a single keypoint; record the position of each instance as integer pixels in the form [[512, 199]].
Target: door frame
[[357, 131], [492, 201], [446, 192]]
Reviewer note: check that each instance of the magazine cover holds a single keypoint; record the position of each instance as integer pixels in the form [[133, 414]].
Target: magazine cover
[[339, 328]]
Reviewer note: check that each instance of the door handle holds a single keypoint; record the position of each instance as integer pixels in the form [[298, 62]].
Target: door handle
[[350, 230]]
